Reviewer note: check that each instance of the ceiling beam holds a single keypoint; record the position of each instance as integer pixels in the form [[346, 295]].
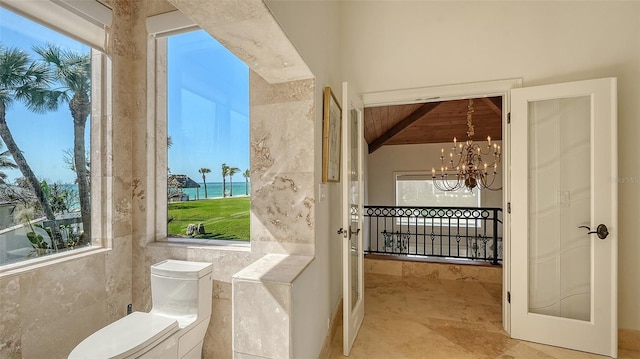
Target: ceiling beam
[[404, 123], [494, 103]]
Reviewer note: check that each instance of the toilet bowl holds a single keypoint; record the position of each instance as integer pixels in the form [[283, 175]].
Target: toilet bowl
[[181, 293]]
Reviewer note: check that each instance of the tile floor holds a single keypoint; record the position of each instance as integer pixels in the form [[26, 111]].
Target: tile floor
[[430, 317]]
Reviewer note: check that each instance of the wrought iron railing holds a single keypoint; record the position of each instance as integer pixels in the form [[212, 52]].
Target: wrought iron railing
[[454, 232]]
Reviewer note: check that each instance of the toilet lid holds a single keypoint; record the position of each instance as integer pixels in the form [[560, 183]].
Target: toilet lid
[[125, 336]]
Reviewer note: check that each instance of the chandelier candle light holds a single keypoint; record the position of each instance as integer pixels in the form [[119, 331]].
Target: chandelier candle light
[[465, 167]]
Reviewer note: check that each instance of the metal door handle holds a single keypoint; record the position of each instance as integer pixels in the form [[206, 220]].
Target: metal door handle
[[602, 231]]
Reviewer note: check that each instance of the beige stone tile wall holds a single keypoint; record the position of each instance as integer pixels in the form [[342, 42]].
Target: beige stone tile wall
[[282, 173], [433, 270]]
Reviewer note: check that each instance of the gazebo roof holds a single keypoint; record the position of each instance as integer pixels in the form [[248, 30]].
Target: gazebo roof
[[182, 181]]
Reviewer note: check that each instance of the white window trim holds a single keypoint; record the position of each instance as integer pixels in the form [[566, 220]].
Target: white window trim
[[170, 23], [87, 21]]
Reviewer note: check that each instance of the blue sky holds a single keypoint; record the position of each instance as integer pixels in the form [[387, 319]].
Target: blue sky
[[208, 107], [43, 138]]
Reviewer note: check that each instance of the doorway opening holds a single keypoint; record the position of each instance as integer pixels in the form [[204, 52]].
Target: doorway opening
[[411, 148], [462, 92]]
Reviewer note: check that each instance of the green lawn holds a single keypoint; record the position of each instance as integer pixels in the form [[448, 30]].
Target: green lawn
[[223, 218]]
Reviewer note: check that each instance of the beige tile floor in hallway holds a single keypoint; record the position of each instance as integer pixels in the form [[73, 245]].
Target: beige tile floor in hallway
[[438, 311]]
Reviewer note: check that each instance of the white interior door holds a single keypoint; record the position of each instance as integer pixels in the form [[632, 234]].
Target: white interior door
[[352, 208], [563, 189]]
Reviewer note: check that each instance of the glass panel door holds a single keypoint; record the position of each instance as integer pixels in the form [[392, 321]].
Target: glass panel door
[[352, 195], [563, 240], [559, 199]]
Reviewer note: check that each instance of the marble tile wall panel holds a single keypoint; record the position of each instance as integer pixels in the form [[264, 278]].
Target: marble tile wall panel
[[60, 305], [282, 166], [261, 318], [217, 341], [265, 93], [482, 273], [382, 266], [283, 212], [282, 138], [10, 320], [262, 305]]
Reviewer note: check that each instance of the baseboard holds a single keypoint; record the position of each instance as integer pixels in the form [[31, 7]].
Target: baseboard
[[336, 322], [629, 339]]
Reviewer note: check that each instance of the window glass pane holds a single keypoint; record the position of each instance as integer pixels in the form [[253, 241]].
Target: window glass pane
[[419, 190], [208, 129], [45, 109]]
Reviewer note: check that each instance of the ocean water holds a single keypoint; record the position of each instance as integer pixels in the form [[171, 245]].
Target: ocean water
[[214, 190]]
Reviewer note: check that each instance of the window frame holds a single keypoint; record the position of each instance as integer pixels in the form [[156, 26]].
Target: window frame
[[159, 28], [86, 22], [433, 222]]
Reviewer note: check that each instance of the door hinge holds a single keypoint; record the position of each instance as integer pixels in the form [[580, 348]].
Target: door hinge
[[508, 297], [508, 207], [509, 117]]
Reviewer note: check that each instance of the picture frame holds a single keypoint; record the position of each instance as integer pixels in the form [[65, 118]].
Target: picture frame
[[331, 137]]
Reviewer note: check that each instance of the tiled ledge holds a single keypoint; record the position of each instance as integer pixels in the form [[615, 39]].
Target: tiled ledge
[[434, 270]]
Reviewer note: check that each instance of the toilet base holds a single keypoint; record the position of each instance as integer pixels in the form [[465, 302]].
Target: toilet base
[[195, 353]]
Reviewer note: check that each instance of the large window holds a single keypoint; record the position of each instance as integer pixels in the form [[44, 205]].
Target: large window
[[417, 189], [207, 99], [47, 90]]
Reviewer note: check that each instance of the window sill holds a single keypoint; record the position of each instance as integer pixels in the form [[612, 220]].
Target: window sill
[[213, 244], [52, 259]]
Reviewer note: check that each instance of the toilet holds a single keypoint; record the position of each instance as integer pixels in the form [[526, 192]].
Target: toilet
[[181, 294]]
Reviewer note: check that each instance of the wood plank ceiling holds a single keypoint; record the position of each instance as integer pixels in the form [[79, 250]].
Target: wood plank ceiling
[[432, 122]]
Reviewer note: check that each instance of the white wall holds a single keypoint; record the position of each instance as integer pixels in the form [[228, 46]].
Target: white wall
[[390, 45], [314, 30], [409, 158]]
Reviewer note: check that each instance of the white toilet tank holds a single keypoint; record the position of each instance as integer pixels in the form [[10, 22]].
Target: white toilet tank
[[182, 290]]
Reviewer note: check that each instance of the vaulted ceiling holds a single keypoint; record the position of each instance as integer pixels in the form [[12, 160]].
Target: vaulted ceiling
[[431, 122]]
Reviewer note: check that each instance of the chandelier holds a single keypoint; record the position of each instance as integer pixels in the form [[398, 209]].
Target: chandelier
[[465, 166]]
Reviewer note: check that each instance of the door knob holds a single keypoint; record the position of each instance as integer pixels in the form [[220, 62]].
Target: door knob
[[602, 231]]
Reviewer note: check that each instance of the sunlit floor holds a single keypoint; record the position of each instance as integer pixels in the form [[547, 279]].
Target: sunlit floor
[[421, 317]]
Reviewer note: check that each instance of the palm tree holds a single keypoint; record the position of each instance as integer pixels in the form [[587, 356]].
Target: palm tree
[[232, 171], [204, 171], [225, 173], [72, 70], [28, 82], [246, 174], [5, 162]]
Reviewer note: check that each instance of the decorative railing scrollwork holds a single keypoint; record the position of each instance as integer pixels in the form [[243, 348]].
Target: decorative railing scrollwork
[[454, 232]]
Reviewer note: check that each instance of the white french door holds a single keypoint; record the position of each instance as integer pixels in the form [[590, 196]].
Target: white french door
[[352, 208], [564, 215]]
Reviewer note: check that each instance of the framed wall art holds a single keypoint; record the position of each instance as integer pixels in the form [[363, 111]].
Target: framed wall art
[[331, 137]]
